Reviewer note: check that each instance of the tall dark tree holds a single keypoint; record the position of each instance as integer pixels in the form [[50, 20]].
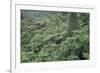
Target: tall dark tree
[[73, 23]]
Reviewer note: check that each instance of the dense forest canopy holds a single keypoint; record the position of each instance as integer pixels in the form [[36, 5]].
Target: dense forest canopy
[[54, 36]]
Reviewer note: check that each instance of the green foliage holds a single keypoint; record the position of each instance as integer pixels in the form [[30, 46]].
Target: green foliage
[[54, 36], [72, 57]]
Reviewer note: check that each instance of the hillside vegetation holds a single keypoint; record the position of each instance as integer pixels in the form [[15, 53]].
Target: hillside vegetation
[[54, 36]]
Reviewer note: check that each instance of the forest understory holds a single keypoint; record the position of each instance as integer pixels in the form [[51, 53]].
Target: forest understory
[[54, 36]]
